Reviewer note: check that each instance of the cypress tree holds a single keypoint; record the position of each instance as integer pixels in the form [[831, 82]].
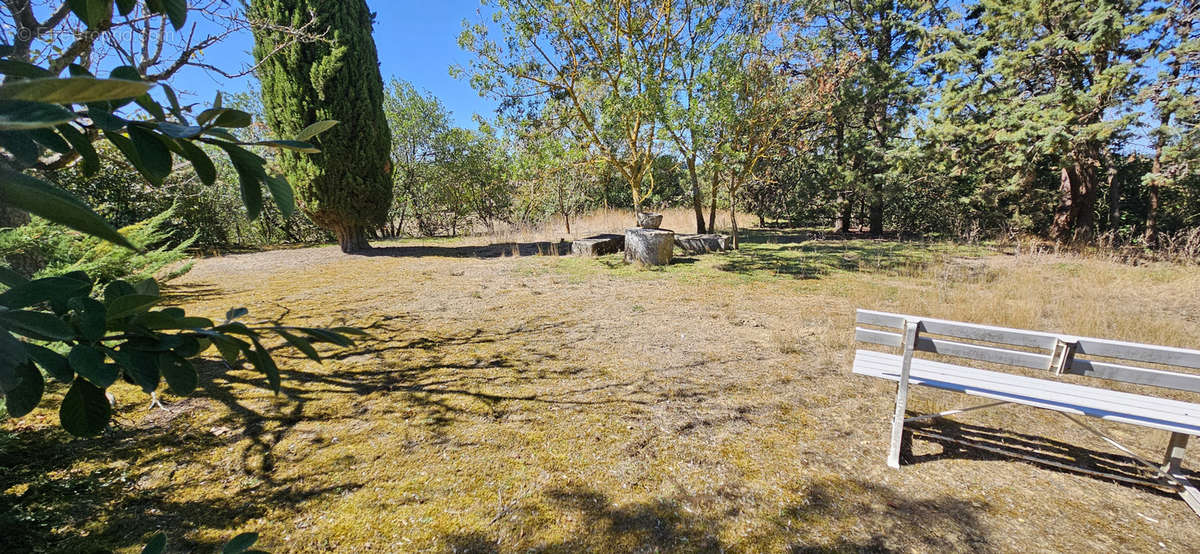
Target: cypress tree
[[347, 187]]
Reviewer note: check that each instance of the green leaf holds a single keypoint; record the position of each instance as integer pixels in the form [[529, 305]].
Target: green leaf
[[91, 12], [128, 305], [240, 543], [23, 114], [82, 145], [36, 325], [147, 286], [222, 134], [117, 289], [138, 366], [25, 151], [124, 7], [201, 163], [224, 117], [294, 145], [173, 101], [315, 129], [153, 108], [250, 176], [89, 364], [51, 362], [178, 372], [12, 355], [157, 543], [133, 154], [73, 90], [285, 197], [14, 68], [49, 202], [301, 344], [154, 155], [229, 347], [85, 410], [37, 291], [190, 347], [174, 130], [176, 10], [23, 398], [50, 139], [77, 70], [90, 317], [10, 278], [105, 120]]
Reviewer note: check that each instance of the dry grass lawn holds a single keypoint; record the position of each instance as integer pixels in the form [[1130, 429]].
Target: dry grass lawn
[[535, 402]]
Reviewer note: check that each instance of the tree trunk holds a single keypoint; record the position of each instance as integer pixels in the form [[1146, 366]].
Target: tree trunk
[[697, 200], [845, 211], [876, 212], [712, 210], [1152, 210], [734, 242], [1156, 173], [1074, 216], [1114, 199], [351, 238]]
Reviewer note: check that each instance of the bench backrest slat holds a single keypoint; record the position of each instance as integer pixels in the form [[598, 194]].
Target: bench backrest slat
[[1136, 375], [1044, 343], [1165, 355], [976, 352], [970, 331]]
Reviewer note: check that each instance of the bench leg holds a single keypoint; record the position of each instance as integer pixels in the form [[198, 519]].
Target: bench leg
[[1175, 450], [910, 342]]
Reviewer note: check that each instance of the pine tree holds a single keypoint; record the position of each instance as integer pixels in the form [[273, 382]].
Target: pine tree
[[1046, 82], [347, 187]]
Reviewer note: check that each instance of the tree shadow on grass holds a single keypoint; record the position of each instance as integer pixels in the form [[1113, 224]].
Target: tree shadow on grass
[[494, 250], [860, 516], [810, 255], [64, 494]]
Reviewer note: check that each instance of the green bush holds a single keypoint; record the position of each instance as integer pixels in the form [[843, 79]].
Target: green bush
[[60, 251]]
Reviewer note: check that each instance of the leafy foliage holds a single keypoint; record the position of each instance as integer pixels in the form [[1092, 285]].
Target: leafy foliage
[[89, 334], [89, 337]]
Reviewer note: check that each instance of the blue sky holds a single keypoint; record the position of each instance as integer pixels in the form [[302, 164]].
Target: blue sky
[[417, 42]]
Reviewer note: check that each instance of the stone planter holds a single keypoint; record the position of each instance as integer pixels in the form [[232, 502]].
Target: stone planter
[[700, 244], [649, 247], [649, 220], [598, 245]]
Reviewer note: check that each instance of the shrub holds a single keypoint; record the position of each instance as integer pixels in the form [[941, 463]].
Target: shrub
[[60, 251]]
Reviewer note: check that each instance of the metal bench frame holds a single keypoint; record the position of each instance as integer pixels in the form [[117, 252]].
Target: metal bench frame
[[1057, 355]]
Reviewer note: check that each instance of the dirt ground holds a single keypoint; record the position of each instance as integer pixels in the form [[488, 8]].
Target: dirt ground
[[515, 400]]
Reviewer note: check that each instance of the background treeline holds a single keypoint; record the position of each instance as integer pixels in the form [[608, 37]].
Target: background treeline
[[1062, 119]]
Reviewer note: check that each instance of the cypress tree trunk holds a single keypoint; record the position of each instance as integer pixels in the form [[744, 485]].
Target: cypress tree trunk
[[351, 238]]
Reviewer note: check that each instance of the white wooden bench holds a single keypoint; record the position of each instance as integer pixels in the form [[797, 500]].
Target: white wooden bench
[[1055, 355]]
